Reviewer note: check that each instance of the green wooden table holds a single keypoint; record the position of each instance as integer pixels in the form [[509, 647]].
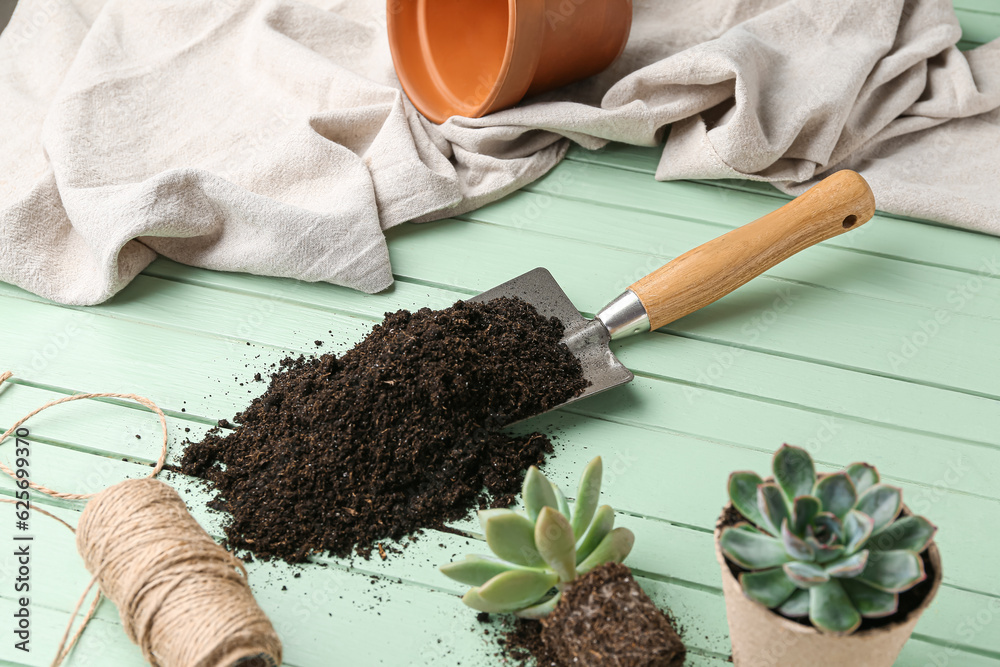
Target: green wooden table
[[882, 345]]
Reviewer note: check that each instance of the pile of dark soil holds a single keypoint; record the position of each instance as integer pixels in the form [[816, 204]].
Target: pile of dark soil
[[403, 431], [604, 619]]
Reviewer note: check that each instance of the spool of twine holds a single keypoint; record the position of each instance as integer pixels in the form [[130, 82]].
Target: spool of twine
[[182, 598]]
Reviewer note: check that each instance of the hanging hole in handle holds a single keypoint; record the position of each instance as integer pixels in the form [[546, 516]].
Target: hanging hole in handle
[[849, 221]]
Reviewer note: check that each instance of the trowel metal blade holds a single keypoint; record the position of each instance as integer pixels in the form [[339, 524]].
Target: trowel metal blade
[[587, 339]]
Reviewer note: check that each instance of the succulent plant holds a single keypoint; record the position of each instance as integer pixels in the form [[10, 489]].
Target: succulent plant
[[832, 548], [542, 549]]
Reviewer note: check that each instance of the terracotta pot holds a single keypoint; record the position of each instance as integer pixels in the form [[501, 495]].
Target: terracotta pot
[[762, 638], [472, 57]]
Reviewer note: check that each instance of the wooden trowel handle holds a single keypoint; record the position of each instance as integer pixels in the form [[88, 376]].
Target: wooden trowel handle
[[835, 205]]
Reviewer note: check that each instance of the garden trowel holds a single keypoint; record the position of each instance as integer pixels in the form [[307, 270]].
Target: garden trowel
[[839, 203]]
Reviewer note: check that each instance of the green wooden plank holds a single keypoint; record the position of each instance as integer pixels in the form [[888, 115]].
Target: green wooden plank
[[682, 567], [113, 447], [111, 426], [644, 159], [408, 627], [766, 393], [142, 358], [130, 373], [979, 26], [833, 440], [753, 424], [628, 483], [104, 644], [299, 600], [416, 566], [313, 295], [585, 434], [278, 322], [824, 265], [827, 326], [984, 6], [681, 479], [708, 365], [700, 366], [209, 313], [602, 177]]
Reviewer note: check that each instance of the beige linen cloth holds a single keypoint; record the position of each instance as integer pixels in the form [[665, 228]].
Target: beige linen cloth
[[271, 136]]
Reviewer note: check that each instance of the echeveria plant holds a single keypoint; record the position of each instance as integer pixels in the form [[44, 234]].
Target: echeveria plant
[[542, 549], [832, 548]]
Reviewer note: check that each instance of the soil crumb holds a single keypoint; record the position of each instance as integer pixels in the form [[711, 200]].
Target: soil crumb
[[604, 619], [403, 431], [523, 646]]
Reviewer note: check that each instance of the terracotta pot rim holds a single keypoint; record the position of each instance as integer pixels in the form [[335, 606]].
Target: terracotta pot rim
[[799, 628], [520, 60], [446, 73]]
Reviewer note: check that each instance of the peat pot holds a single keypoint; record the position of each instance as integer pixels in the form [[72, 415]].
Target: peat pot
[[762, 638], [472, 57]]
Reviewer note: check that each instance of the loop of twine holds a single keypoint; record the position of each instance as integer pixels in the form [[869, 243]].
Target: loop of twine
[[178, 592], [160, 461]]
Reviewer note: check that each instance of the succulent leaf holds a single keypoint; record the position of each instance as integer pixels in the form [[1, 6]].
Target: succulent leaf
[[511, 537], [752, 550], [858, 528], [773, 507], [831, 610], [882, 503], [794, 471], [870, 602], [476, 570], [850, 566], [539, 550], [614, 548], [797, 605], [804, 510], [911, 533], [742, 489], [604, 521], [795, 546], [805, 575], [540, 610], [832, 548], [827, 528], [472, 599], [537, 493], [562, 503], [484, 516], [588, 495], [768, 587], [824, 553], [863, 475], [554, 540], [893, 571], [517, 588], [837, 493]]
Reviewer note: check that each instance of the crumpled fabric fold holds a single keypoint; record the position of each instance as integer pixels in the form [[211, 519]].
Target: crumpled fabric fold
[[271, 136]]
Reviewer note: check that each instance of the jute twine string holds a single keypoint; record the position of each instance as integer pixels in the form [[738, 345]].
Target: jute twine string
[[181, 597], [160, 461]]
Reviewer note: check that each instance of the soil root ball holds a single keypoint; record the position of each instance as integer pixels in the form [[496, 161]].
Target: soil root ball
[[605, 619]]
